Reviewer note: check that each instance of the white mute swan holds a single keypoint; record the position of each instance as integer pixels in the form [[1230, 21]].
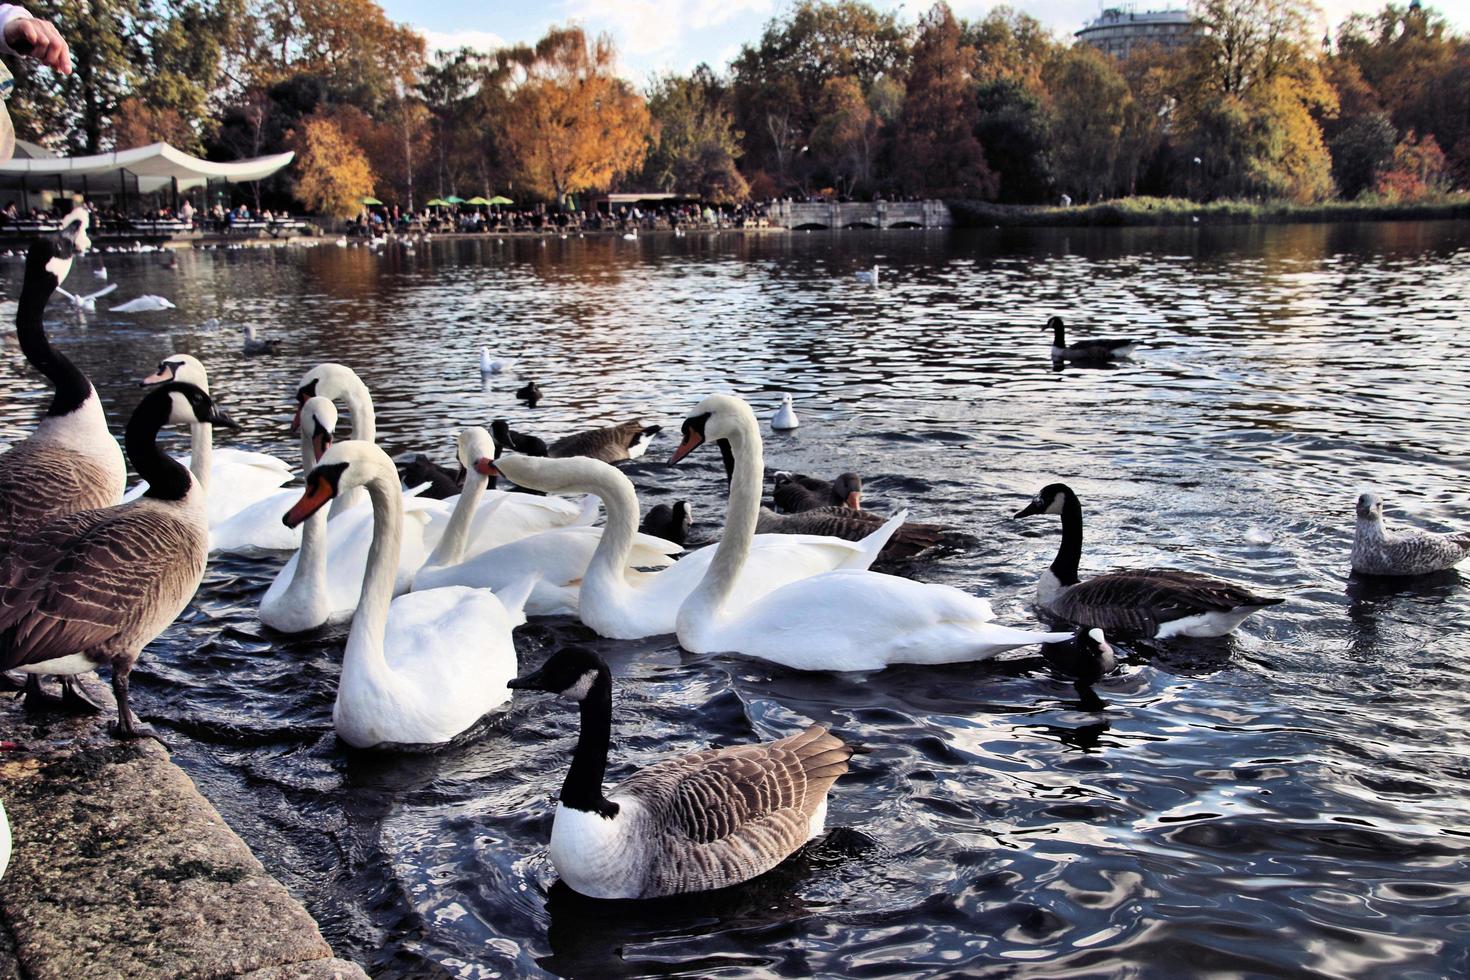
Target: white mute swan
[[340, 383], [627, 607], [321, 583], [475, 524], [423, 669], [232, 479], [556, 559], [842, 620], [147, 303]]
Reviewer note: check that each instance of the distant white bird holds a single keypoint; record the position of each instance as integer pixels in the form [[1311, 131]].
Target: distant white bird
[[146, 303], [630, 236], [868, 277], [258, 345], [785, 417], [342, 242], [89, 301], [100, 272], [494, 365]]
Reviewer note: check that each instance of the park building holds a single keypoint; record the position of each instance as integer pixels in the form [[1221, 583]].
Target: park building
[[1119, 31]]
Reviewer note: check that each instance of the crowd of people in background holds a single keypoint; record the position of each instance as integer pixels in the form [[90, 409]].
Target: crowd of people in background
[[379, 221]]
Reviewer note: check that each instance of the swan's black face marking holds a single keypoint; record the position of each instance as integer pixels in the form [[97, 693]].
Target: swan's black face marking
[[321, 486], [321, 438], [693, 433], [167, 371], [569, 672]]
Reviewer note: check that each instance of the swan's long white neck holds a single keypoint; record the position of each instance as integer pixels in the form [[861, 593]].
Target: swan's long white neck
[[450, 549], [364, 426], [201, 449], [365, 657], [605, 573], [702, 608], [311, 564]]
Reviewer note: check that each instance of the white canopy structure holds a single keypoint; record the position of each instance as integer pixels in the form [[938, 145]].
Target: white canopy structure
[[143, 170]]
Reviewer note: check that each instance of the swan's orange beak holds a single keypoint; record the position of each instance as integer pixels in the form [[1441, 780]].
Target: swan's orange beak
[[157, 377], [317, 493], [693, 439], [855, 500], [485, 466]]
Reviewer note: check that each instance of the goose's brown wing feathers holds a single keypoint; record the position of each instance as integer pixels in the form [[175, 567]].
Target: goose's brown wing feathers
[[797, 492], [730, 814], [78, 583], [852, 525], [41, 480], [608, 444], [1138, 600]]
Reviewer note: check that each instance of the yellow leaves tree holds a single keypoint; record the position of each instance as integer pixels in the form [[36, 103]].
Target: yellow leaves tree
[[570, 124], [332, 172]]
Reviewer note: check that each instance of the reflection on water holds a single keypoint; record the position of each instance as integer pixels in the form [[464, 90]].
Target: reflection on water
[[1295, 798]]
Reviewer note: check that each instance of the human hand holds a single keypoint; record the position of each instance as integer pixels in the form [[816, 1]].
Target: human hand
[[40, 40]]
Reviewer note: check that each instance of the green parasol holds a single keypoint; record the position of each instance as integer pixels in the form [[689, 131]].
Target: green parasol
[[454, 199], [370, 200], [497, 199]]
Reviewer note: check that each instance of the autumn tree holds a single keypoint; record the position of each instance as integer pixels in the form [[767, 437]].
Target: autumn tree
[[1090, 102], [1011, 45], [363, 58], [847, 133], [697, 143], [571, 124], [938, 153], [332, 172], [1418, 169]]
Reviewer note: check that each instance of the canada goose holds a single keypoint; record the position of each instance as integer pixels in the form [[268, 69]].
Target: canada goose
[[530, 393], [494, 365], [1085, 350], [909, 540], [87, 303], [629, 607], [147, 303], [71, 462], [507, 439], [785, 418], [839, 620], [689, 824], [612, 444], [669, 521], [1379, 551], [795, 492], [1148, 602], [95, 587], [230, 479], [258, 345], [868, 277], [423, 669], [1086, 658]]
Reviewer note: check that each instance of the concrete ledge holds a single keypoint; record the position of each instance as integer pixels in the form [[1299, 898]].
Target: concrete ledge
[[122, 869]]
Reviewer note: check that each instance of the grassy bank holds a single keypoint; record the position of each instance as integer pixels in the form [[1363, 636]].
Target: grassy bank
[[1145, 211]]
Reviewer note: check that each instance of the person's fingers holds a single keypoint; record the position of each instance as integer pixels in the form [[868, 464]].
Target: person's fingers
[[58, 53], [39, 39]]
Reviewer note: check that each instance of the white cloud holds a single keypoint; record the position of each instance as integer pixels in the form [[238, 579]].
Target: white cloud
[[649, 27], [454, 40]]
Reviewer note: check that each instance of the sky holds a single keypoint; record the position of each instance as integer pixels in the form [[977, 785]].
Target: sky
[[654, 36]]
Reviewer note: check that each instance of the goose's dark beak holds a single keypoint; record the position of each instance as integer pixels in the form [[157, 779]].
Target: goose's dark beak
[[527, 682], [1032, 508], [216, 417]]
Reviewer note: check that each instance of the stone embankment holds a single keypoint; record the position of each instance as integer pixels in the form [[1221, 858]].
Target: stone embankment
[[122, 869]]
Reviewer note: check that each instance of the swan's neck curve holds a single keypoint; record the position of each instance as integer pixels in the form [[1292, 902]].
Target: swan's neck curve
[[201, 449], [605, 576], [450, 549], [365, 657], [702, 608], [364, 429]]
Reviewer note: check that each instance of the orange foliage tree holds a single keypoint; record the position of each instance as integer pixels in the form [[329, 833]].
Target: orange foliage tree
[[1419, 169], [332, 172], [570, 124], [137, 124]]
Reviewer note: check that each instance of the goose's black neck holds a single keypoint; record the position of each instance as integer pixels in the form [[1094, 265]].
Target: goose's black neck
[[1059, 332], [168, 479], [1069, 555], [72, 386], [582, 789]]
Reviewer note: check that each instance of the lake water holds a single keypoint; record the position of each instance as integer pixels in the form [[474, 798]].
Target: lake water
[[1294, 799]]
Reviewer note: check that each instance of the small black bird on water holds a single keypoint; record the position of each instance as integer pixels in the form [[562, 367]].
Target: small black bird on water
[[530, 394]]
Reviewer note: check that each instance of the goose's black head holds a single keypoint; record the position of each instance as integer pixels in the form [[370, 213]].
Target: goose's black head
[[50, 257], [500, 431], [1050, 500], [322, 484], [179, 403], [570, 672], [849, 488], [1055, 325]]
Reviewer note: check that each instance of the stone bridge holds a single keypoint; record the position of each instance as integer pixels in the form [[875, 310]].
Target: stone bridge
[[860, 214]]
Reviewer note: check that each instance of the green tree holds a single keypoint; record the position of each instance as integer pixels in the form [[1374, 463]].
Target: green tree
[[1016, 134], [938, 153], [1090, 101], [697, 143]]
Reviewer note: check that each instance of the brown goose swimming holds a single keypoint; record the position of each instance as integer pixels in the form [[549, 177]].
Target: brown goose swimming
[[95, 587], [612, 444], [909, 540], [695, 823], [796, 492], [1147, 602], [71, 462]]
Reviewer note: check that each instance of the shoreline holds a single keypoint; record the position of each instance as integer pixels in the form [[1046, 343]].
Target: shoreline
[[1143, 212], [122, 868]]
